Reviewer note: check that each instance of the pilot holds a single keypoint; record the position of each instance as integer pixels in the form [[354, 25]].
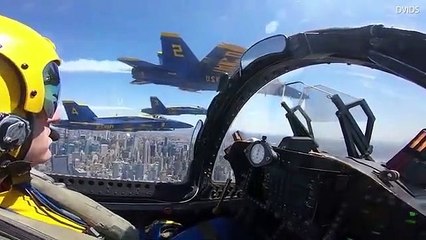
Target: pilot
[[30, 200]]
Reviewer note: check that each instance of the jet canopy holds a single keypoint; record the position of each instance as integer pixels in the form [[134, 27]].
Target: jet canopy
[[353, 98], [338, 122]]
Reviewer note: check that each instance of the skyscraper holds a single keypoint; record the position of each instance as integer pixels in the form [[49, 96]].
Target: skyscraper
[[147, 152], [60, 164]]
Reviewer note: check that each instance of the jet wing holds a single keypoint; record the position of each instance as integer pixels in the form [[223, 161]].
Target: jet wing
[[224, 58], [189, 89], [134, 62], [139, 82]]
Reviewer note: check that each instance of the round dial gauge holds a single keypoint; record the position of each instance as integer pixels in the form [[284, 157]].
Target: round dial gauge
[[257, 153]]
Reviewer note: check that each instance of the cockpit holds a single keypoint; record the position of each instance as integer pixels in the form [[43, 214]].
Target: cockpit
[[307, 147], [316, 136], [362, 103]]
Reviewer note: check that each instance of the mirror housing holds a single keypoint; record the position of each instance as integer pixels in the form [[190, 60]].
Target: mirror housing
[[264, 47]]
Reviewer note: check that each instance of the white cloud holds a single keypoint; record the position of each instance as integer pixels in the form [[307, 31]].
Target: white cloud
[[366, 79], [271, 27], [367, 83], [90, 65], [362, 75]]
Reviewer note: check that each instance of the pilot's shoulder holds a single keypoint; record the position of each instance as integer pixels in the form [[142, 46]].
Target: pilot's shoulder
[[45, 177], [102, 219]]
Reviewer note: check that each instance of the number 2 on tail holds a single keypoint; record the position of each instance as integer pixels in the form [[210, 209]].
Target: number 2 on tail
[[177, 50]]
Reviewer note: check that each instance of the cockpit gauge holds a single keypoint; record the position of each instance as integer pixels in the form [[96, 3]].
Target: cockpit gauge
[[257, 153], [260, 153]]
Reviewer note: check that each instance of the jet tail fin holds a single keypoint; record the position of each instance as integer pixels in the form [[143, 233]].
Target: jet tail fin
[[224, 58], [157, 106], [176, 55], [78, 113]]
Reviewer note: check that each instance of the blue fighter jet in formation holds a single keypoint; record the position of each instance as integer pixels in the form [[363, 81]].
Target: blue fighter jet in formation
[[158, 108], [81, 117], [179, 67]]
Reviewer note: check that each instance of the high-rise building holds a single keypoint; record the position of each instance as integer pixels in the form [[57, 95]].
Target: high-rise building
[[153, 150], [54, 148], [139, 170], [104, 149], [147, 152], [70, 148], [115, 169], [60, 164], [125, 172]]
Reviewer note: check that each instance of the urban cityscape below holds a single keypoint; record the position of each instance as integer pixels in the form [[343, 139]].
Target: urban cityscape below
[[139, 156], [153, 156]]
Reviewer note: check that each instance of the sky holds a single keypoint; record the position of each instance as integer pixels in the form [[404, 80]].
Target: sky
[[90, 35]]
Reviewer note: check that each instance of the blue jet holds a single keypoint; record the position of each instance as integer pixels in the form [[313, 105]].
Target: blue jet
[[81, 117], [158, 108], [179, 67]]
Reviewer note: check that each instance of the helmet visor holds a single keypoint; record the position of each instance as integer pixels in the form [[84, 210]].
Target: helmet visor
[[52, 85]]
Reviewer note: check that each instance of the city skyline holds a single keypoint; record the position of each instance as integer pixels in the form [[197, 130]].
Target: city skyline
[[114, 155]]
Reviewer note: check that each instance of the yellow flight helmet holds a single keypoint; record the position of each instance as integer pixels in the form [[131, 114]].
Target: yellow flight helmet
[[29, 83], [29, 76]]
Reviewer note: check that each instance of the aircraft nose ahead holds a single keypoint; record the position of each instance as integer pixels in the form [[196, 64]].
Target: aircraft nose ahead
[[177, 124], [183, 125], [186, 125]]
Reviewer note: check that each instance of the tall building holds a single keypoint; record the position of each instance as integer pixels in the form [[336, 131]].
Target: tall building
[[70, 148], [117, 150], [104, 149], [54, 148], [153, 149], [135, 150], [60, 164], [126, 172], [139, 170], [115, 169], [147, 152]]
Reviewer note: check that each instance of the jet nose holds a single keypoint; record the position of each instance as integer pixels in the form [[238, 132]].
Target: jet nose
[[184, 125], [177, 124]]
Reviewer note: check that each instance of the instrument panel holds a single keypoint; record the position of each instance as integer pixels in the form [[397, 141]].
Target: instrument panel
[[290, 190], [312, 196]]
